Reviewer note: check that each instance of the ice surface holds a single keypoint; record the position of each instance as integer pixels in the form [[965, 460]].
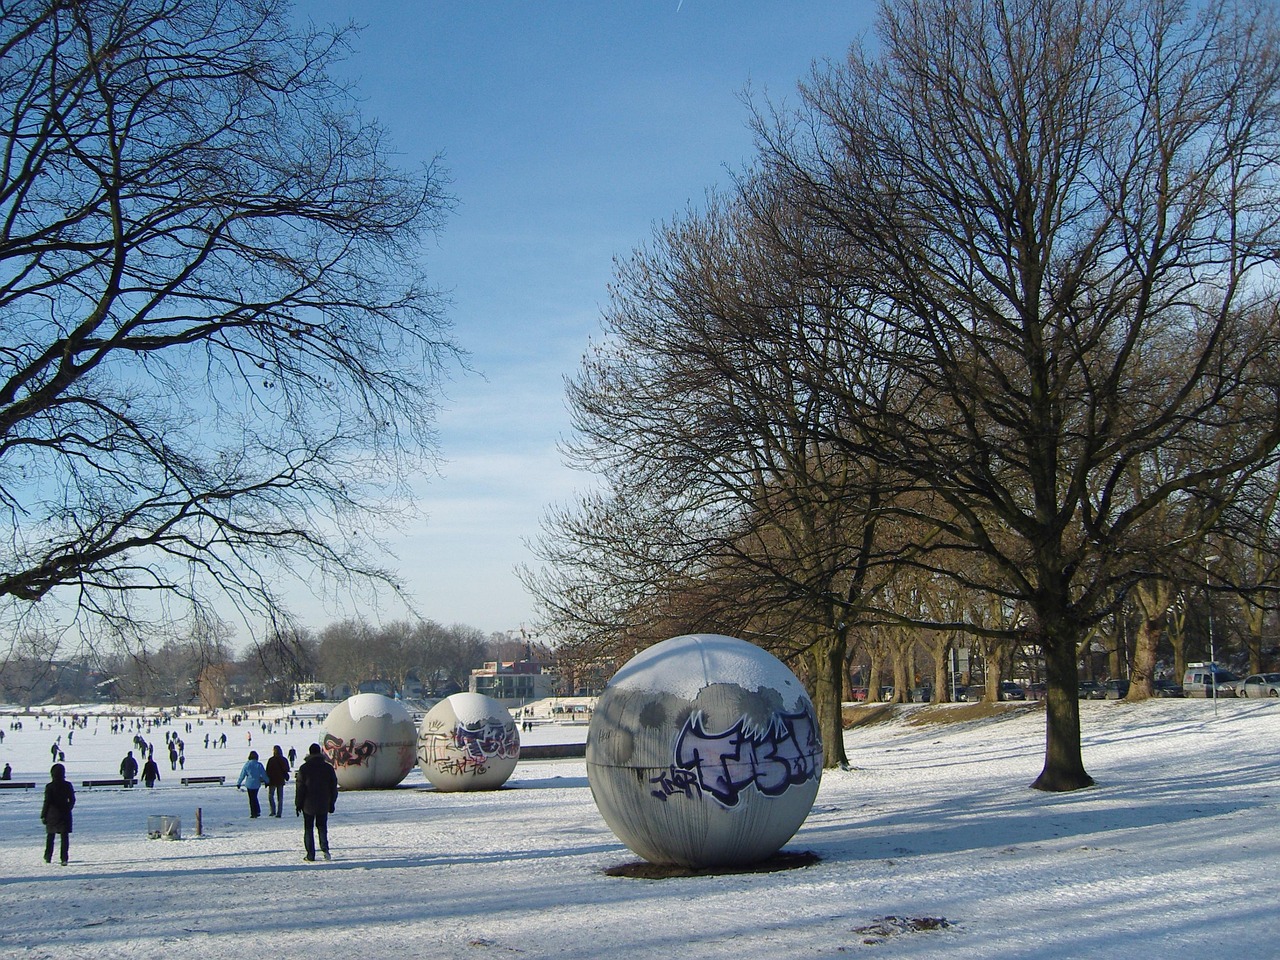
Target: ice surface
[[1176, 852]]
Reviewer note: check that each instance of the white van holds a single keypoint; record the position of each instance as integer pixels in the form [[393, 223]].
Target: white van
[[1201, 678]]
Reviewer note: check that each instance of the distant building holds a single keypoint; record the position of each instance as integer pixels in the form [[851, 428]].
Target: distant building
[[513, 682], [310, 691]]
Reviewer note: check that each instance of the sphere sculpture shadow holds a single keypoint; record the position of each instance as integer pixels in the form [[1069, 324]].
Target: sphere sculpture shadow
[[703, 751], [370, 740], [468, 742]]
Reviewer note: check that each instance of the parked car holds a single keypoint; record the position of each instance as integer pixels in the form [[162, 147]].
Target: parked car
[[1091, 690], [922, 693], [1259, 685], [1011, 691], [859, 694], [1202, 679], [1115, 689], [1166, 688], [1037, 691]]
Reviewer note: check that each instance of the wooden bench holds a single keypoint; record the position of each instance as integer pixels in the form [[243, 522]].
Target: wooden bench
[[117, 782], [189, 780], [552, 751], [16, 785]]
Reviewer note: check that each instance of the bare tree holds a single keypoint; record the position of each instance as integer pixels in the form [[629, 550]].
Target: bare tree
[[723, 509], [347, 654], [1250, 558], [287, 657], [219, 354], [1056, 223], [451, 653]]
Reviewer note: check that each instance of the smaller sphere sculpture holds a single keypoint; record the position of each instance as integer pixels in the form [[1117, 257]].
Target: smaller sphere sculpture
[[370, 740], [703, 751], [468, 742]]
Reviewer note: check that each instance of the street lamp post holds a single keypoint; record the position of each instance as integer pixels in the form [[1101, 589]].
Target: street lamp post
[[1213, 664]]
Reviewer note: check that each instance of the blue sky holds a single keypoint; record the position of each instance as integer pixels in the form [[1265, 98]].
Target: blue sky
[[569, 129]]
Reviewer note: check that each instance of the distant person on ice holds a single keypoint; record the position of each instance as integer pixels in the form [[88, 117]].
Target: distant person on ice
[[59, 798], [252, 776], [129, 769], [150, 772], [315, 798], [277, 774]]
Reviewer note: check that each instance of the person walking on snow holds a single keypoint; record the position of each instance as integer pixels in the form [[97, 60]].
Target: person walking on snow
[[252, 776], [59, 798], [277, 774], [150, 772], [129, 769], [316, 796]]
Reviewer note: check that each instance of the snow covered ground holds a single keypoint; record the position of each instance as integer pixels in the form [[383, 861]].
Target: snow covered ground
[[1176, 852]]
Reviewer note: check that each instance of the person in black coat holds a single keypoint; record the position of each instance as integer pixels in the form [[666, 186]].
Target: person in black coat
[[59, 798], [315, 797], [277, 774], [150, 772], [129, 769]]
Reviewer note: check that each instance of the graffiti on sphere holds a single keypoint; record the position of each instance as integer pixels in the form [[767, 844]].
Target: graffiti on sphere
[[781, 754], [469, 747], [351, 754]]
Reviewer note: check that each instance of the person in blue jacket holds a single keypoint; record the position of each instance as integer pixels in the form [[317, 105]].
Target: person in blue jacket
[[252, 776]]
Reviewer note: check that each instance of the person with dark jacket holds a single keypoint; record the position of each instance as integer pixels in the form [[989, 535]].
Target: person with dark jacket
[[315, 797], [150, 772], [277, 774], [129, 769], [59, 798]]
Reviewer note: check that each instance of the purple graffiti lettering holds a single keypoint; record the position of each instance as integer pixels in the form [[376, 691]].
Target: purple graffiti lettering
[[351, 754], [469, 747], [486, 739], [772, 758]]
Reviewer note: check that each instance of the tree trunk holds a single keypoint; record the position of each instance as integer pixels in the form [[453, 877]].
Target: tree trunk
[[941, 650], [1152, 600], [1063, 764], [1144, 656], [874, 672], [1255, 616], [1177, 627], [901, 668], [828, 687], [1116, 659]]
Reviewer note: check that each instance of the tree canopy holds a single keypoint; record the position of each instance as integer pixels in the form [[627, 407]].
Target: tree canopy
[[219, 353], [1029, 247]]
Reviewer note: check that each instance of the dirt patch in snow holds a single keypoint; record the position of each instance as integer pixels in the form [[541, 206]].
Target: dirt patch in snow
[[967, 712], [643, 870]]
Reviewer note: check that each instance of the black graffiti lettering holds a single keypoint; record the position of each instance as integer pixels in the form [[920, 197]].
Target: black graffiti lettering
[[676, 781], [351, 754], [771, 759]]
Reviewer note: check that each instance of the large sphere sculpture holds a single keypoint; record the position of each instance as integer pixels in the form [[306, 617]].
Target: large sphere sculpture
[[370, 740], [703, 751], [468, 742]]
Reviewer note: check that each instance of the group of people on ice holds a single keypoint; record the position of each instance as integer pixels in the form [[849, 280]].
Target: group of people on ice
[[315, 796]]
